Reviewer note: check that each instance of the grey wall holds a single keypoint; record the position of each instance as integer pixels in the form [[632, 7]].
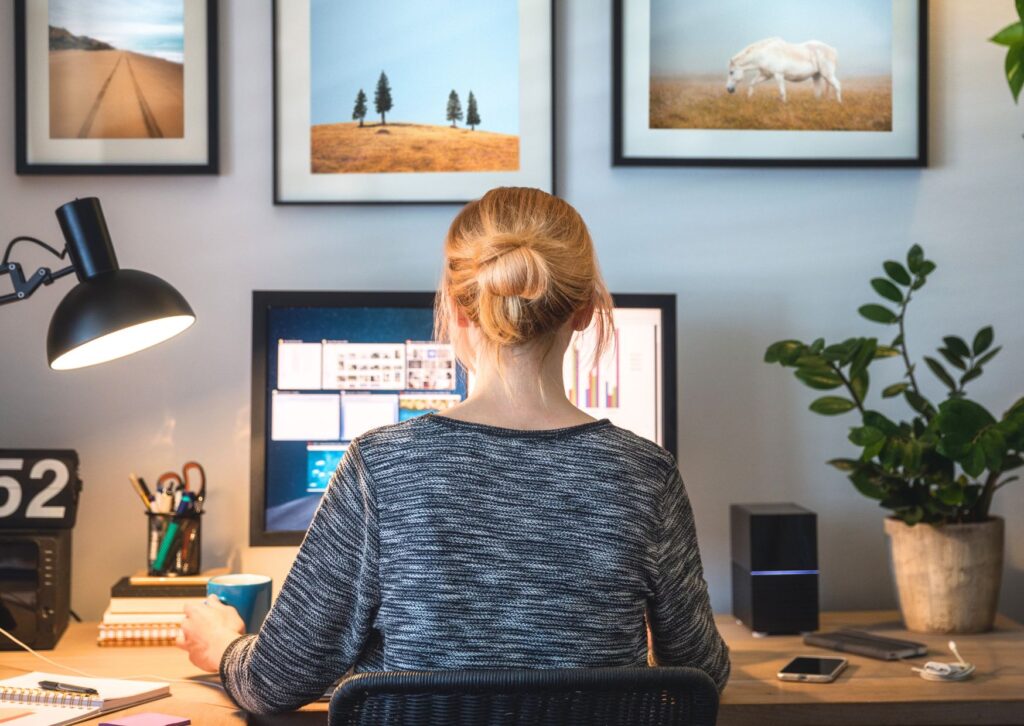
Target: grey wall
[[754, 255]]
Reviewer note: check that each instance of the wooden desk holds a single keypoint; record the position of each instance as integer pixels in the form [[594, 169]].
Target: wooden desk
[[869, 691], [872, 691]]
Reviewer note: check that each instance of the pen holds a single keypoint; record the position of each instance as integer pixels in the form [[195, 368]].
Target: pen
[[137, 486], [67, 688]]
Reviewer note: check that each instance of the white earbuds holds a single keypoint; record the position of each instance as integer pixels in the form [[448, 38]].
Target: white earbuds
[[959, 671]]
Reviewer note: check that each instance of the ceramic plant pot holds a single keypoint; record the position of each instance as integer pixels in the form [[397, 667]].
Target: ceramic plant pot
[[948, 575]]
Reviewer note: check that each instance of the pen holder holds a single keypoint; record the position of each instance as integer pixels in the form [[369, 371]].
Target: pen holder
[[174, 543]]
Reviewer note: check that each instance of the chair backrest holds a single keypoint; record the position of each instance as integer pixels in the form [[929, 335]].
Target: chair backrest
[[591, 696]]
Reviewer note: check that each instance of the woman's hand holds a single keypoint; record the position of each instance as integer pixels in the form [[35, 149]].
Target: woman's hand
[[207, 631]]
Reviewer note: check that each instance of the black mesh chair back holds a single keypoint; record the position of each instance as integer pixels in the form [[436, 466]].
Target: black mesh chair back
[[585, 696]]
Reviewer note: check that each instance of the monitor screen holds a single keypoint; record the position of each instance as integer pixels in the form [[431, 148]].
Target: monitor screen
[[328, 367]]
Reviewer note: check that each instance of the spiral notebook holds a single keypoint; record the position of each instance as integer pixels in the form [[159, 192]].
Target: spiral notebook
[[53, 708]]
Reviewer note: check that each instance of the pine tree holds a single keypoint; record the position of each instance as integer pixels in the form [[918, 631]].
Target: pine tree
[[382, 97], [472, 113], [359, 112], [454, 108]]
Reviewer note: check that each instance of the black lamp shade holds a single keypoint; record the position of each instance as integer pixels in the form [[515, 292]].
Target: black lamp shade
[[113, 315], [111, 312]]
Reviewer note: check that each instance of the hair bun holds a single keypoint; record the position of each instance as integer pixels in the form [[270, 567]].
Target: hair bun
[[509, 266]]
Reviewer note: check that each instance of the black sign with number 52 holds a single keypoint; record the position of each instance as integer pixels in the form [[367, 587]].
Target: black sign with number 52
[[38, 488]]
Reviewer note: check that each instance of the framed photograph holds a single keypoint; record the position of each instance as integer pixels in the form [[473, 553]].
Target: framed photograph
[[402, 101], [116, 87], [773, 83]]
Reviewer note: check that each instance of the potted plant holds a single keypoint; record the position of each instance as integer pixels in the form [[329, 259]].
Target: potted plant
[[936, 471]]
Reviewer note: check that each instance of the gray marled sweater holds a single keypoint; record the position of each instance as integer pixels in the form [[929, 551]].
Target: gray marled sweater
[[442, 544]]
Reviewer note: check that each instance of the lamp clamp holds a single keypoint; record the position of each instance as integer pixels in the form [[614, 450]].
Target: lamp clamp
[[25, 286]]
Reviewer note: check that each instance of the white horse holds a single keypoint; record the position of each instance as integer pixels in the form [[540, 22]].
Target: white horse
[[775, 58]]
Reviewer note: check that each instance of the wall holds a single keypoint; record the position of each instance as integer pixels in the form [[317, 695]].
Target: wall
[[754, 255]]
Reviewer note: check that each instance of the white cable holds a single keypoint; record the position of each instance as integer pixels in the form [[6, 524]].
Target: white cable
[[42, 657], [947, 672]]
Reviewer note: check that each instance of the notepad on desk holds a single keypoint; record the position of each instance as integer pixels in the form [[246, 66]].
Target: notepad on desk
[[55, 708]]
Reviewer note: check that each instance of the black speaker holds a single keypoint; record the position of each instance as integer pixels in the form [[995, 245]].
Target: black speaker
[[774, 568], [35, 586]]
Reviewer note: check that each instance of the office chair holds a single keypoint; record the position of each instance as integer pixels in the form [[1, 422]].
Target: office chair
[[590, 696]]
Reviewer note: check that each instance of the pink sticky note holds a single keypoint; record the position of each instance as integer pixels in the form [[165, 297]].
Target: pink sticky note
[[148, 719]]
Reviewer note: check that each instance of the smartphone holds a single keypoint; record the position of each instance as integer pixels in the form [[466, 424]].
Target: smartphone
[[812, 669]]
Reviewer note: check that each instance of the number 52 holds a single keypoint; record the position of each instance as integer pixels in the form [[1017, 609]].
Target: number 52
[[38, 508]]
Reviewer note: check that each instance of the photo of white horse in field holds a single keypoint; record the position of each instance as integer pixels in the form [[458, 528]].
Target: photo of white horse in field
[[774, 58]]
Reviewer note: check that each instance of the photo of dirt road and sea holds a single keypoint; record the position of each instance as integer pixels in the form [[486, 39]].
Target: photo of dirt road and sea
[[116, 69]]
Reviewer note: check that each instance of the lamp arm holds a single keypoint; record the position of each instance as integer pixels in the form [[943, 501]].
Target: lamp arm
[[24, 287]]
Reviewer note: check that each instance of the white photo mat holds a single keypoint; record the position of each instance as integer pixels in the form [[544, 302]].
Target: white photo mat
[[191, 149]]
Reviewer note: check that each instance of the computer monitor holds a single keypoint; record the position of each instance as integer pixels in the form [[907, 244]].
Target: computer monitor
[[329, 366]]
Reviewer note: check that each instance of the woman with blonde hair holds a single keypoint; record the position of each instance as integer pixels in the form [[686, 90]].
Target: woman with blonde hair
[[510, 531]]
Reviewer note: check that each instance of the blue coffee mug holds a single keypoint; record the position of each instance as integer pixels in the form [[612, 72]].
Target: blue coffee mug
[[248, 594]]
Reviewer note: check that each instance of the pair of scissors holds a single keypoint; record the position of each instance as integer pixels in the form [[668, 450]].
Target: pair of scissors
[[198, 485]]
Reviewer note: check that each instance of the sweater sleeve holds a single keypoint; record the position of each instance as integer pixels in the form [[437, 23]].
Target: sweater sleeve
[[682, 624], [324, 613]]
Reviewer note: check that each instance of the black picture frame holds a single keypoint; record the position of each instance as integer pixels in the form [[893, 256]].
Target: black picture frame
[[280, 201], [24, 167], [619, 158], [264, 300]]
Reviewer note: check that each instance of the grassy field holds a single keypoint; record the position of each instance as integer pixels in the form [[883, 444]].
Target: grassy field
[[703, 103], [400, 147]]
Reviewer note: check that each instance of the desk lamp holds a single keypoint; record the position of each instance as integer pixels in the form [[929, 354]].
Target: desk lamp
[[111, 312]]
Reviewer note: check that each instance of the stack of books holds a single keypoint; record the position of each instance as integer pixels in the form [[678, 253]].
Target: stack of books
[[147, 610]]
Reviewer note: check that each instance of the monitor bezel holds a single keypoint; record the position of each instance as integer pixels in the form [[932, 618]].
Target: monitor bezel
[[264, 300]]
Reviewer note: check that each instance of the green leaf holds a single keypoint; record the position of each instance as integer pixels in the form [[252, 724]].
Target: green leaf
[[864, 355], [914, 258], [1015, 69], [885, 351], [974, 462], [983, 340], [894, 390], [880, 422], [878, 314], [940, 372], [957, 345], [993, 443], [812, 361], [951, 495], [819, 379], [988, 356], [1010, 35], [832, 405], [817, 346], [844, 464], [913, 515], [970, 375], [927, 268], [783, 351], [1020, 9], [864, 484], [953, 358], [887, 290], [961, 420], [918, 402], [865, 436], [897, 272], [860, 383]]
